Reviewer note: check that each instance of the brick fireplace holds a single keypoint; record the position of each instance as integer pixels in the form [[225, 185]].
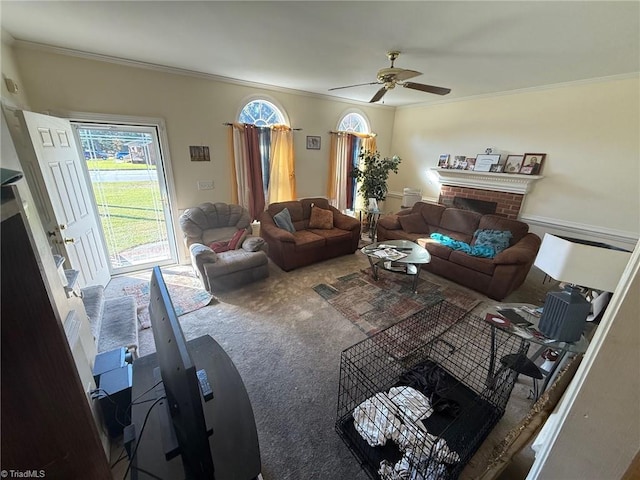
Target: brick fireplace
[[506, 190]]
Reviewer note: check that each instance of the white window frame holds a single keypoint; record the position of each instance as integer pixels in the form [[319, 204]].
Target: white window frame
[[264, 98]]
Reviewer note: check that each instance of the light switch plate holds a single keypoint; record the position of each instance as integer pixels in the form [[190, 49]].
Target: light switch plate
[[205, 185]]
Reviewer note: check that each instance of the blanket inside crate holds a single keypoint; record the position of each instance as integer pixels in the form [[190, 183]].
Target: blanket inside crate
[[416, 428]]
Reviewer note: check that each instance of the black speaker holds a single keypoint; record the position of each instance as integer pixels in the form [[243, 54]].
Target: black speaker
[[107, 361], [114, 397]]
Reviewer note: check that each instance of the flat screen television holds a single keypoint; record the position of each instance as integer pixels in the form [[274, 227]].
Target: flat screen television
[[184, 428]]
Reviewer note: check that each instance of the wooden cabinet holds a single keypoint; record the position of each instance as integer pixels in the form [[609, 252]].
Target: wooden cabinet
[[47, 423]]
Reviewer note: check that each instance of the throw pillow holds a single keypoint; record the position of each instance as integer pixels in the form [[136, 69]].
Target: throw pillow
[[219, 247], [321, 218], [253, 244], [237, 239], [283, 220], [413, 223], [497, 239]]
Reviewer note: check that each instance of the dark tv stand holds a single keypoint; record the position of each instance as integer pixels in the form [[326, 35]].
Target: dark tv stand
[[234, 443]]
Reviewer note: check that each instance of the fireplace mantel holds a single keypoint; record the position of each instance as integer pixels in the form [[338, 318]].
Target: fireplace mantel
[[498, 182]]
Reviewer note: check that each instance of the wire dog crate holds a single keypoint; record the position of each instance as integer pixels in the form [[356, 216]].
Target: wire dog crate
[[417, 399]]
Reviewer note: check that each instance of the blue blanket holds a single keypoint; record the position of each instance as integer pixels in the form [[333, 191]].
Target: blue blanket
[[475, 250]]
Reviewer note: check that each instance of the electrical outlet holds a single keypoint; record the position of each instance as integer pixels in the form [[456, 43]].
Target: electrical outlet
[[205, 185]]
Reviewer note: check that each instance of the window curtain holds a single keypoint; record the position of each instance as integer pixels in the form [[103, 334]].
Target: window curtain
[[247, 161], [282, 176], [345, 148], [263, 165]]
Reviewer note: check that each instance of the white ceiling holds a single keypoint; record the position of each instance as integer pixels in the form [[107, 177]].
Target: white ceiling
[[473, 47]]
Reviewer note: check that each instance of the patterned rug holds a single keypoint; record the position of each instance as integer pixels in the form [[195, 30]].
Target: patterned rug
[[375, 305], [185, 290]]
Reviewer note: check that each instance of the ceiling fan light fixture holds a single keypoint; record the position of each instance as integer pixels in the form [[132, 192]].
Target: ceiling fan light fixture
[[391, 76]]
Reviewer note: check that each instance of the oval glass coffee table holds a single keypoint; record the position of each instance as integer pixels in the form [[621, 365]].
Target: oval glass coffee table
[[412, 257]]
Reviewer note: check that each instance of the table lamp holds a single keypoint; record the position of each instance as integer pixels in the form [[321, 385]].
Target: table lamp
[[577, 263]]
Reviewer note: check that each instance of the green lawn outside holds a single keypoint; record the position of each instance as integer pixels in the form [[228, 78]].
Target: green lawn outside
[[128, 212], [113, 164]]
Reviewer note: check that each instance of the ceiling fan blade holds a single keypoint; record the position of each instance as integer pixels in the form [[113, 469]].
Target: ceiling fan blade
[[379, 94], [426, 88], [407, 74], [356, 85]]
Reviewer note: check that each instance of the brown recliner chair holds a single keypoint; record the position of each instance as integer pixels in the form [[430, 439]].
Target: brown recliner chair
[[216, 223]]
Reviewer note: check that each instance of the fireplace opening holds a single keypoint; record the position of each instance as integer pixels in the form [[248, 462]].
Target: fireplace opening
[[480, 206]]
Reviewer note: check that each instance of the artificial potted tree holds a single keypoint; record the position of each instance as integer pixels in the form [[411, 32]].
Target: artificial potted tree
[[372, 173]]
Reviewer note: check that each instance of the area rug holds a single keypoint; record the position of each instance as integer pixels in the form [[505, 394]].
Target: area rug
[[185, 290], [373, 305]]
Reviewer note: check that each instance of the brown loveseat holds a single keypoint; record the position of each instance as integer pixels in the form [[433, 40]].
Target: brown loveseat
[[495, 277], [307, 245]]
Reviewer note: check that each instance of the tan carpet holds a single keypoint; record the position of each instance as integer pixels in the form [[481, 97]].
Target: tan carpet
[[286, 341]]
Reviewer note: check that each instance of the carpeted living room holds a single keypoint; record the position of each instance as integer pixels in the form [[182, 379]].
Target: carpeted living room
[[286, 340], [522, 115]]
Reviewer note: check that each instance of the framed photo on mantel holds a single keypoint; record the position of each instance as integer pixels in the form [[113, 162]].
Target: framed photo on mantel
[[484, 161], [532, 163], [513, 163]]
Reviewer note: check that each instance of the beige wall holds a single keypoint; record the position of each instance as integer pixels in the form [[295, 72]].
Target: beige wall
[[10, 70], [590, 133], [194, 109]]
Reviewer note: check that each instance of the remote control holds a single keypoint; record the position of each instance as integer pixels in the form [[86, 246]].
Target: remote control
[[515, 317], [207, 393]]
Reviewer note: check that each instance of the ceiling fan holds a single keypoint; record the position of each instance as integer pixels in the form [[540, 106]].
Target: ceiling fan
[[392, 76]]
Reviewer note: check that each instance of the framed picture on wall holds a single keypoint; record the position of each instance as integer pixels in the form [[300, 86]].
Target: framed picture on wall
[[513, 163], [199, 153], [532, 163], [313, 143]]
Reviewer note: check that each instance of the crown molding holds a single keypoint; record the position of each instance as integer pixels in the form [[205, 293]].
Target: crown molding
[[519, 91], [10, 40], [186, 72]]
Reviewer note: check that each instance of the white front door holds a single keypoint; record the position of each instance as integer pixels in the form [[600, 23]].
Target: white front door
[[74, 227]]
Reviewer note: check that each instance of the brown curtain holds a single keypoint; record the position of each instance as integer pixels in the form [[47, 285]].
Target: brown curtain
[[254, 172]]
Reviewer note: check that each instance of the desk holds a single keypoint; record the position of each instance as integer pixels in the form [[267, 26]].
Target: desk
[[563, 348], [234, 443]]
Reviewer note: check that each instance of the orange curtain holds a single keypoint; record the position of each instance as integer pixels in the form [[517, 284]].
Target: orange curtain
[[282, 177]]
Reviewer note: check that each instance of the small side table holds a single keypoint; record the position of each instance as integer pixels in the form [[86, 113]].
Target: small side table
[[373, 216], [563, 348]]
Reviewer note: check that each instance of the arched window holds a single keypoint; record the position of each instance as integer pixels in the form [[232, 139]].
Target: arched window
[[261, 113], [263, 142], [353, 122]]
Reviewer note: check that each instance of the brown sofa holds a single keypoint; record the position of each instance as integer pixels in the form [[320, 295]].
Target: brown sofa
[[307, 245], [495, 277]]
